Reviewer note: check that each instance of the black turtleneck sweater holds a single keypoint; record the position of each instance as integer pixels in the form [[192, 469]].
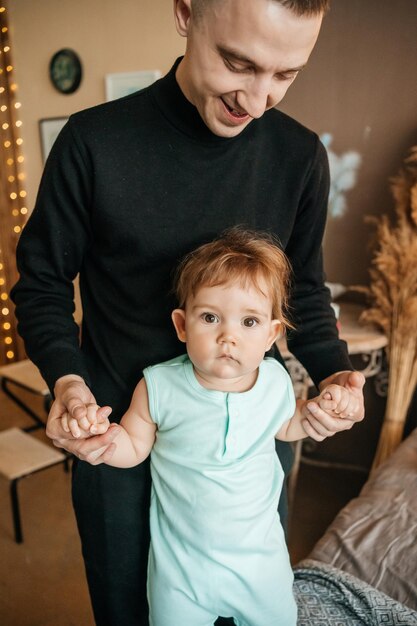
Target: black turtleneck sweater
[[131, 186]]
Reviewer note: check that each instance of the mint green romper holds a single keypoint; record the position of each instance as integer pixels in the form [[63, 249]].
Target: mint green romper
[[217, 544]]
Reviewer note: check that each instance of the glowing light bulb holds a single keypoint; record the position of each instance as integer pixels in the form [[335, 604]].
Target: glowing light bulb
[[7, 326], [5, 311], [10, 354], [17, 229]]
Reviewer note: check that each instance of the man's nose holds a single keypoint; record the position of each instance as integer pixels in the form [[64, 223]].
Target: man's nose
[[258, 96]]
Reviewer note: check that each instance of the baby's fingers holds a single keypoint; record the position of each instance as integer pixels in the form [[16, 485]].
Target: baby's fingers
[[100, 428], [70, 425], [91, 414], [64, 422], [327, 405]]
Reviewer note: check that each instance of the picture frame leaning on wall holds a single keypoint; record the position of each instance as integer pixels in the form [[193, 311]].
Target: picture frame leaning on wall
[[49, 129], [124, 83]]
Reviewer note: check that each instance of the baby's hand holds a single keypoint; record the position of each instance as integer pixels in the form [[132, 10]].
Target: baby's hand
[[91, 424], [337, 401]]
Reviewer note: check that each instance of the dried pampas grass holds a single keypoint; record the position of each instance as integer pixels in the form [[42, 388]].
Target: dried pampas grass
[[393, 297]]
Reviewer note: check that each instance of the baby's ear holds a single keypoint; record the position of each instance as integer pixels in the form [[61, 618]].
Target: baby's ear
[[178, 319], [275, 332]]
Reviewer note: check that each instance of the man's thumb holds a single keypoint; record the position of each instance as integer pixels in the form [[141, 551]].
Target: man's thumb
[[357, 380]]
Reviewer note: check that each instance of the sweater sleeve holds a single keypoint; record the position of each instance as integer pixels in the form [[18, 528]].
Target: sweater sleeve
[[315, 341], [49, 256]]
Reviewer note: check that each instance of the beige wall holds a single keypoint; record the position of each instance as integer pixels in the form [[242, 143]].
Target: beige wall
[[360, 86], [109, 36]]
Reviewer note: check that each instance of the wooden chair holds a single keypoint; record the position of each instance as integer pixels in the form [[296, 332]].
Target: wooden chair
[[25, 375], [22, 455]]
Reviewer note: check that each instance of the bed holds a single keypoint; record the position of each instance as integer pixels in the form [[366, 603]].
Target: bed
[[364, 568]]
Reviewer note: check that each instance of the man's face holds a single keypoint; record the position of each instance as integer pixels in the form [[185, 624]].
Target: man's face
[[240, 59]]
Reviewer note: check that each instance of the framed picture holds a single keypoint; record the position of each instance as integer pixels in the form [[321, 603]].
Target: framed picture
[[125, 83], [49, 129]]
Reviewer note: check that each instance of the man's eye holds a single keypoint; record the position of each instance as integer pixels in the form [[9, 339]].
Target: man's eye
[[286, 76], [250, 322], [210, 318], [233, 68]]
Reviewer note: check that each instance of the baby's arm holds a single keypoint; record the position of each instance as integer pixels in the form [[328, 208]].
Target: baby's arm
[[335, 400], [137, 431]]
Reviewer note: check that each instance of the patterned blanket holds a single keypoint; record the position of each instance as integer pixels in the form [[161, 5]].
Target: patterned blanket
[[327, 596]]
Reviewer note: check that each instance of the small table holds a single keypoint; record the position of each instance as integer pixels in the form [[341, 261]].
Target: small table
[[362, 339]]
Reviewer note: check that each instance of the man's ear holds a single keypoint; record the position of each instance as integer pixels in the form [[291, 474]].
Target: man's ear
[[178, 319], [275, 333], [182, 16]]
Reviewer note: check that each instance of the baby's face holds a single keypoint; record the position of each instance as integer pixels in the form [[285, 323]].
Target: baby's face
[[227, 329]]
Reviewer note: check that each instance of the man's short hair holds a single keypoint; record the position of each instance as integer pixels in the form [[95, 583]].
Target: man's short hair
[[299, 7], [241, 256]]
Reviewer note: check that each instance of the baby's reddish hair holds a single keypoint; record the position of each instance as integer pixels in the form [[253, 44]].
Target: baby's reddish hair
[[238, 255]]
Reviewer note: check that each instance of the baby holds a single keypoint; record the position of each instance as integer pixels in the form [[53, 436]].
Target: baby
[[208, 419]]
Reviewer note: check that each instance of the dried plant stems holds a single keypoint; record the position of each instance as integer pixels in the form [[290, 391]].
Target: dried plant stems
[[393, 295]]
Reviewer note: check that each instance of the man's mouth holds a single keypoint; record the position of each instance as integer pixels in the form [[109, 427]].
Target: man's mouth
[[239, 115]]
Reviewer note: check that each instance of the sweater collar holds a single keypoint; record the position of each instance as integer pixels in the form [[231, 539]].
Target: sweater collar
[[181, 113]]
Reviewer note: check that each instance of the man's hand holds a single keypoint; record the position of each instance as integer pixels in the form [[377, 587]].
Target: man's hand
[[320, 424], [72, 396]]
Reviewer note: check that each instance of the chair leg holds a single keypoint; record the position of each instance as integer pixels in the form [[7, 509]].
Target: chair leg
[[16, 511], [39, 422]]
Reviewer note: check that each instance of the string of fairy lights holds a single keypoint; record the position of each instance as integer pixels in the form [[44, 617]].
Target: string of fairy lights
[[14, 194]]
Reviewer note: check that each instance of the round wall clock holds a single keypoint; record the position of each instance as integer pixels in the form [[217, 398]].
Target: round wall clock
[[65, 71]]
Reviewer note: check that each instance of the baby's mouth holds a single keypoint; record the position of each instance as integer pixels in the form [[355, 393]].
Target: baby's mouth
[[227, 357]]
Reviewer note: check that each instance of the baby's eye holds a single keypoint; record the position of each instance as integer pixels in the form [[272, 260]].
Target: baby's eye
[[210, 318], [250, 322]]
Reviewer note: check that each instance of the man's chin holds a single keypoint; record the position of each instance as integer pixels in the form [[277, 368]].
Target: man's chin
[[227, 132], [223, 128]]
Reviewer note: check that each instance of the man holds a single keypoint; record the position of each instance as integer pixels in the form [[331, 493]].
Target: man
[[129, 188]]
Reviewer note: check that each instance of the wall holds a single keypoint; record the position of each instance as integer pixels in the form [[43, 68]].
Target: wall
[[360, 86], [109, 36]]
